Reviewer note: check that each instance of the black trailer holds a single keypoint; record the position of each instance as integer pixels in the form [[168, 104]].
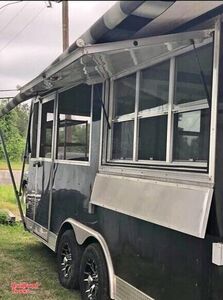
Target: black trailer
[[125, 177]]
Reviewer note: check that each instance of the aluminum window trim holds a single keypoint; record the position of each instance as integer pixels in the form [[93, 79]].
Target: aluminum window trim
[[36, 99], [104, 125], [161, 174], [168, 109], [35, 102], [77, 117], [190, 104], [48, 98], [88, 121], [136, 122], [72, 162], [91, 127], [124, 118], [214, 97], [149, 113], [46, 159], [39, 130], [192, 108], [170, 118], [157, 109], [160, 162], [111, 110], [53, 151], [101, 127], [82, 118]]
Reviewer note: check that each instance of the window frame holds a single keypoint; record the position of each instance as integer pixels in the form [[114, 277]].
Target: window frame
[[40, 102], [78, 118], [169, 109], [75, 162], [34, 102]]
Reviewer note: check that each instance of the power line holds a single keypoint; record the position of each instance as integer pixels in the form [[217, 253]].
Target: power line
[[3, 6], [9, 90], [13, 18], [19, 32]]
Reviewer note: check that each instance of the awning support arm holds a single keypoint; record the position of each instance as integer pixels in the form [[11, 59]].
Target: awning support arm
[[12, 178], [104, 110], [202, 75]]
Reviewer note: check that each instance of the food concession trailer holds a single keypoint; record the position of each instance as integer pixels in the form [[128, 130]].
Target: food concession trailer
[[125, 179]]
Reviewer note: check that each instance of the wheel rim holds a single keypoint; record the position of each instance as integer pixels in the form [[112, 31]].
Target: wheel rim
[[66, 260], [91, 279]]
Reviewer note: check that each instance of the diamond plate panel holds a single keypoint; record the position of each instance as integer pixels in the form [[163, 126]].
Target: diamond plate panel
[[125, 291]]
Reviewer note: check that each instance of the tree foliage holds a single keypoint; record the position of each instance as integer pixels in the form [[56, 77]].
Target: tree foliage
[[14, 127]]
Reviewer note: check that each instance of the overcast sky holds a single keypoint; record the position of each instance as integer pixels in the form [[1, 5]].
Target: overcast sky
[[31, 36]]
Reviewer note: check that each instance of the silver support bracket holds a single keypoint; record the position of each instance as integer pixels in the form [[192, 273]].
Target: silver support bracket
[[217, 254]]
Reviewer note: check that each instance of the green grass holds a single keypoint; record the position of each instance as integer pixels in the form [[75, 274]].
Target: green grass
[[24, 259], [16, 165], [8, 200]]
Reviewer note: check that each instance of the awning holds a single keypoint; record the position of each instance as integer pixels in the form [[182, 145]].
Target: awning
[[82, 62], [96, 63]]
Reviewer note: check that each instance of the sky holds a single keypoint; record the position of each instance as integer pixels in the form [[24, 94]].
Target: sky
[[31, 36]]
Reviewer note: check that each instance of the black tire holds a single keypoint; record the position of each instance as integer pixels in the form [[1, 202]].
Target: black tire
[[93, 274], [68, 260]]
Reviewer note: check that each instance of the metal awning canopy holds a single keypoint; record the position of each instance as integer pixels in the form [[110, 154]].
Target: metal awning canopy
[[107, 56], [96, 63]]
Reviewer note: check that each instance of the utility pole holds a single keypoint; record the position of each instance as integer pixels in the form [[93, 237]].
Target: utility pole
[[65, 24], [65, 34]]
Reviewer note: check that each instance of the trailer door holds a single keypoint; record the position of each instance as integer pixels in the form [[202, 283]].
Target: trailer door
[[40, 169]]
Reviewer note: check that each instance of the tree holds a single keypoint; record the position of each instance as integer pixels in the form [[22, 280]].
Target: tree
[[14, 127]]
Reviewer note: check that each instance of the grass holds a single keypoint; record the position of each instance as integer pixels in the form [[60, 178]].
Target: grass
[[24, 259], [7, 199], [16, 165]]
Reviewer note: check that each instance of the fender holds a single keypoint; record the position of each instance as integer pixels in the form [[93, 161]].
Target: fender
[[82, 232]]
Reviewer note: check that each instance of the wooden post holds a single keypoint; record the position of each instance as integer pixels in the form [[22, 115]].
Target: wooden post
[[65, 33]]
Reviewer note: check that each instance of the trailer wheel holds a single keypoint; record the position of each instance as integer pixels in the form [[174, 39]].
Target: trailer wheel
[[93, 274], [68, 260]]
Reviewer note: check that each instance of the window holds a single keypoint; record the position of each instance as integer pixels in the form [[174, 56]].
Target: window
[[46, 129], [34, 130], [153, 99], [154, 86], [123, 140], [191, 126], [189, 86], [74, 118], [191, 135], [154, 119], [152, 138], [123, 127], [124, 93]]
